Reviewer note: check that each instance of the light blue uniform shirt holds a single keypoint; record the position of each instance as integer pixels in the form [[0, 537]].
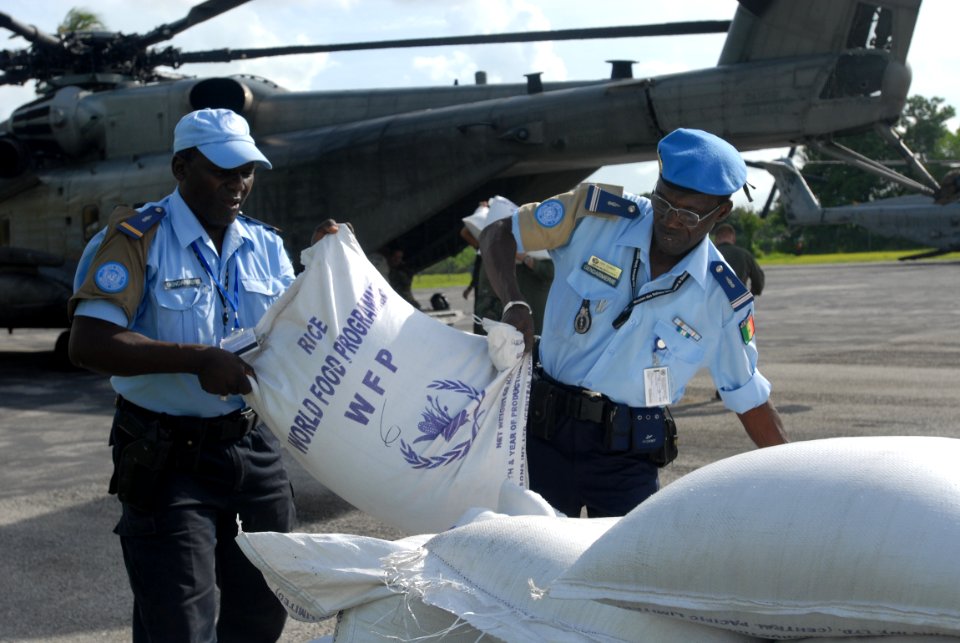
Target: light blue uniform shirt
[[612, 361], [181, 303]]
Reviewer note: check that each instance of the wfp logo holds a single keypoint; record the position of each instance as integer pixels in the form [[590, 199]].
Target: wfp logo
[[438, 423]]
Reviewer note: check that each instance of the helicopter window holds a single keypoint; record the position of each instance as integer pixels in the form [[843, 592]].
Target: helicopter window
[[872, 28]]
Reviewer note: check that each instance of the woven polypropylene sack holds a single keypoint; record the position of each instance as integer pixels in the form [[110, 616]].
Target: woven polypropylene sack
[[315, 576], [837, 537], [491, 573], [402, 617], [399, 414]]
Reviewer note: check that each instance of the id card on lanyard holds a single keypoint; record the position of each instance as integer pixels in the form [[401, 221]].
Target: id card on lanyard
[[656, 379], [237, 340]]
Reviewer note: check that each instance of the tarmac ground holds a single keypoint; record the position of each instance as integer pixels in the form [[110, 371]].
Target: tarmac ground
[[851, 350]]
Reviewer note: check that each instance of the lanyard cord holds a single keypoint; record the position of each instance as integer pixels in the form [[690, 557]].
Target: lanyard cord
[[222, 289], [634, 271]]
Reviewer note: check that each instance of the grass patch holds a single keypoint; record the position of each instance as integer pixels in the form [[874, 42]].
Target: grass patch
[[783, 259], [429, 282]]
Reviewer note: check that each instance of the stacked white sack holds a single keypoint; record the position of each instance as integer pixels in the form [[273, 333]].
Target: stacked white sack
[[490, 574], [838, 537], [315, 576], [402, 617], [401, 415]]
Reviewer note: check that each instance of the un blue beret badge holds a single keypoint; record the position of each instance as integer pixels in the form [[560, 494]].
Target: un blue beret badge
[[549, 213], [112, 277]]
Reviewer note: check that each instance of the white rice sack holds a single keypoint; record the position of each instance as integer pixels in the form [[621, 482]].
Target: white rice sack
[[476, 222], [314, 576], [838, 537], [400, 415], [491, 573], [404, 618]]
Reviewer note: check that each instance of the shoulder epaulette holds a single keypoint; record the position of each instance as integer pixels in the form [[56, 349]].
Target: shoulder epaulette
[[260, 223], [606, 202], [736, 292], [138, 224]]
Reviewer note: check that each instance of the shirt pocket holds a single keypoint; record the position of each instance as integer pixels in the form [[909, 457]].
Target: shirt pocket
[[178, 313], [590, 287], [682, 354], [258, 293]]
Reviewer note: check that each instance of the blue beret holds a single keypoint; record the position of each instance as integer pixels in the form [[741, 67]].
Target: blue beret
[[702, 162]]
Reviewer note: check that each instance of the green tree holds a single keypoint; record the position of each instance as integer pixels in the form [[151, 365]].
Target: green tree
[[80, 19], [949, 146]]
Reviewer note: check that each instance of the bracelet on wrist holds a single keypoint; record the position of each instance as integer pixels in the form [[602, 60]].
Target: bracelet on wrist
[[516, 302]]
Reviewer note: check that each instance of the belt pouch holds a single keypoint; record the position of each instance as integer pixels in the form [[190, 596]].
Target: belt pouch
[[649, 430], [541, 416], [141, 459], [669, 451], [617, 427]]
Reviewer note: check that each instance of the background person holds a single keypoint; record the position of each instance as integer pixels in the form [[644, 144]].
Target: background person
[[534, 270], [399, 276], [740, 259], [158, 291], [642, 301]]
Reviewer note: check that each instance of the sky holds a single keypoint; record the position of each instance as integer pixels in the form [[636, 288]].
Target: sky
[[261, 23]]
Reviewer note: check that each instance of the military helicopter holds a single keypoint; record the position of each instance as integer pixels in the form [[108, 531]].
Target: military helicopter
[[916, 217], [405, 165]]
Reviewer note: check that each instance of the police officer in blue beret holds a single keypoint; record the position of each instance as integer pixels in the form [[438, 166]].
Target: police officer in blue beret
[[156, 293], [641, 301]]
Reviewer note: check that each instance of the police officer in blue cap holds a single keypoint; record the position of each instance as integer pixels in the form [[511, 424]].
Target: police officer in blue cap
[[157, 292], [640, 302]]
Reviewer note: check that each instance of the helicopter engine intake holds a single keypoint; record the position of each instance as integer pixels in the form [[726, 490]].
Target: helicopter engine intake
[[14, 157], [64, 124]]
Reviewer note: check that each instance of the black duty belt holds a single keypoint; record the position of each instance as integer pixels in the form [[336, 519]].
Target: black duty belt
[[579, 403], [223, 428]]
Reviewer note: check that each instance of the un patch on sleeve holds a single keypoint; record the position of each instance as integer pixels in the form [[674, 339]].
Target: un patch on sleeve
[[112, 277], [549, 213]]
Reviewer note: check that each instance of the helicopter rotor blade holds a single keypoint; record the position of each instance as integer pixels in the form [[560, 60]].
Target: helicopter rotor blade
[[200, 13], [665, 29], [29, 32]]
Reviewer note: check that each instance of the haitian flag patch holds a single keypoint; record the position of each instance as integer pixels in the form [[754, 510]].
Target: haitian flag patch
[[747, 329]]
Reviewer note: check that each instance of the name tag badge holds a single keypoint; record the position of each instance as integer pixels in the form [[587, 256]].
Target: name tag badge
[[605, 272], [190, 282], [240, 342], [656, 385]]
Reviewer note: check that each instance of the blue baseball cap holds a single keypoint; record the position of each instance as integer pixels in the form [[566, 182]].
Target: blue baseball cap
[[222, 135], [702, 162]]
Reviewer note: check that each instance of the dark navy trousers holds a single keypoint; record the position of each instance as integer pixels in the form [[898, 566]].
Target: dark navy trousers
[[573, 469], [182, 551]]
